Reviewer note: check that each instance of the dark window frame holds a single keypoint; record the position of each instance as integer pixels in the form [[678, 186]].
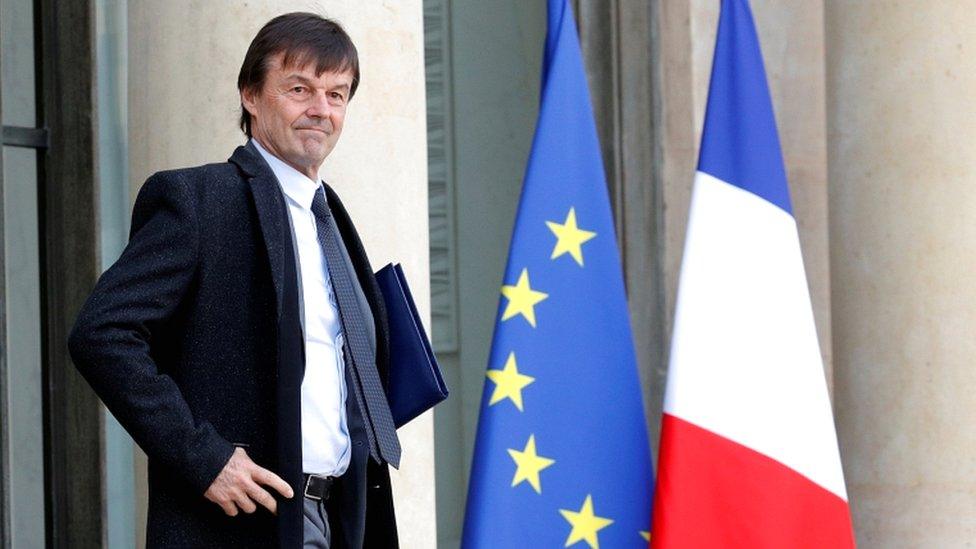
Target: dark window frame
[[64, 34], [68, 200]]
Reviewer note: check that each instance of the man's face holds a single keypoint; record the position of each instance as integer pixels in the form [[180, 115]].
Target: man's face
[[297, 116]]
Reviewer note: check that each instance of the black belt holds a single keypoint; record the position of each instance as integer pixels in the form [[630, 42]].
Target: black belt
[[317, 487]]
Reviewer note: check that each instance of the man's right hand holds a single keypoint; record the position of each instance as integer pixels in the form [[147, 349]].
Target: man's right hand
[[238, 486]]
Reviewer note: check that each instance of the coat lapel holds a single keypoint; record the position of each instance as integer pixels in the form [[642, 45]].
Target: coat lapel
[[269, 203]]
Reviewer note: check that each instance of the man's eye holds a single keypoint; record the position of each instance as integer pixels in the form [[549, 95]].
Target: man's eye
[[298, 89], [337, 95]]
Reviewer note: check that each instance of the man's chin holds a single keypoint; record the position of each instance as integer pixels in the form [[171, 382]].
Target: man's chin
[[307, 161], [315, 155]]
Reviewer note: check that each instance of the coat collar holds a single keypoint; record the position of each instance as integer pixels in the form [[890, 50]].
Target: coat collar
[[296, 185], [249, 160], [270, 205]]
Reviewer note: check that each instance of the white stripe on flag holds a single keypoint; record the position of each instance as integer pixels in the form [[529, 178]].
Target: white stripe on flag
[[745, 363]]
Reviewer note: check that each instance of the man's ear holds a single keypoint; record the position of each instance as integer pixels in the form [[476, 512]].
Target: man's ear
[[249, 100]]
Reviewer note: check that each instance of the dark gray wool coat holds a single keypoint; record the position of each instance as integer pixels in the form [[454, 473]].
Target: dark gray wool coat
[[193, 341]]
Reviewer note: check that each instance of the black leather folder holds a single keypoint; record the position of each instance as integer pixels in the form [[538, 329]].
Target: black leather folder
[[416, 384]]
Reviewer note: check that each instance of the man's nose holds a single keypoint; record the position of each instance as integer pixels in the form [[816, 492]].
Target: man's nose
[[319, 107]]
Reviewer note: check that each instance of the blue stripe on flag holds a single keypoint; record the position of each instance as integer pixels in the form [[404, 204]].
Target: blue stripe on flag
[[739, 141]]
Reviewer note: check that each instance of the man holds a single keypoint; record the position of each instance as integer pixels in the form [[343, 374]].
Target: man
[[241, 338]]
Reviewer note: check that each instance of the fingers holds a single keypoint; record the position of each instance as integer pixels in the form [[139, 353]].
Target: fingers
[[221, 493], [262, 497], [244, 502], [237, 487], [229, 508], [266, 477]]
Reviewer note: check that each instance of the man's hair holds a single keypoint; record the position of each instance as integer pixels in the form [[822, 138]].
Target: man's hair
[[303, 38]]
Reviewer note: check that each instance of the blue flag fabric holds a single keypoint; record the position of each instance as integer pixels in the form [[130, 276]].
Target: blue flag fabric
[[562, 455]]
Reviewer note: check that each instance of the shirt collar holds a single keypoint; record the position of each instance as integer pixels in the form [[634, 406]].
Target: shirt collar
[[296, 185]]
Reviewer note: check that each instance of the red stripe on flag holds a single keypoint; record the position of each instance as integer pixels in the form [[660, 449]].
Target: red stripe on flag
[[713, 492]]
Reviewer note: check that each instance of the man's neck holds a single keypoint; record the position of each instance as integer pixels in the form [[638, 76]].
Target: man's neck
[[308, 171]]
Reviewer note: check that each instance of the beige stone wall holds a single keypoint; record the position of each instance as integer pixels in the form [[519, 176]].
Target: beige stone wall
[[902, 125], [184, 56]]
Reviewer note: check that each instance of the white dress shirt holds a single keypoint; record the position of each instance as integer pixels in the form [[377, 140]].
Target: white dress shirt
[[325, 437]]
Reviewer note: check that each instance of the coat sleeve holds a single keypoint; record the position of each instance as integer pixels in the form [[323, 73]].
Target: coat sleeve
[[110, 342]]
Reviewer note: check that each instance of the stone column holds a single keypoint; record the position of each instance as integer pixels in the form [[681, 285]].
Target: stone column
[[183, 108], [902, 172]]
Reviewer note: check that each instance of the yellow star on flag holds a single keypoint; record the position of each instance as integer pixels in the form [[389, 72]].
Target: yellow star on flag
[[522, 299], [529, 464], [570, 237], [508, 383], [585, 524], [646, 535]]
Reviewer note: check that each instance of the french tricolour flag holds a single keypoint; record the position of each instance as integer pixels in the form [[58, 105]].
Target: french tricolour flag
[[748, 453]]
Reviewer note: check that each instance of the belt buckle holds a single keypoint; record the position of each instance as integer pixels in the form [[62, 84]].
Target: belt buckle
[[324, 483], [308, 483]]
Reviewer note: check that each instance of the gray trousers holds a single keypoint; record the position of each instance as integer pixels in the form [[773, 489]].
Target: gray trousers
[[317, 535]]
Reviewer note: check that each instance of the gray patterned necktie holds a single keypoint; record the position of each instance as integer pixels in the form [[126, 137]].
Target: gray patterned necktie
[[358, 353]]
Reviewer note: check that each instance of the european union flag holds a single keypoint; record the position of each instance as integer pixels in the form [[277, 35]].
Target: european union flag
[[562, 455]]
